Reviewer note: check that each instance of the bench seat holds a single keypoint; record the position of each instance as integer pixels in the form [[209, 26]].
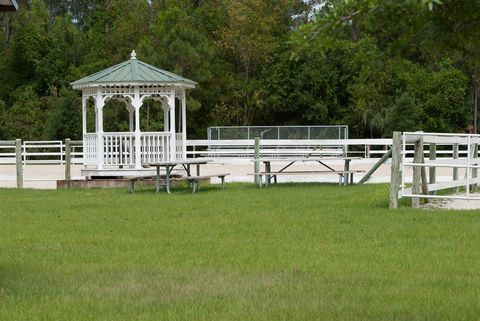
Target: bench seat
[[191, 179], [196, 179], [345, 176]]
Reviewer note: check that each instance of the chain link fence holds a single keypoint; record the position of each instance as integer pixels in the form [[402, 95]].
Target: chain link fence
[[278, 132]]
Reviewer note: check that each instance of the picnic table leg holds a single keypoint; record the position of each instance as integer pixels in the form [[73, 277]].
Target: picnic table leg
[[198, 174], [351, 178], [157, 179], [268, 168], [190, 184], [223, 182], [167, 180]]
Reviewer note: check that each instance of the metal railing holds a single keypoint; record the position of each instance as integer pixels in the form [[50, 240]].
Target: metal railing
[[238, 149]]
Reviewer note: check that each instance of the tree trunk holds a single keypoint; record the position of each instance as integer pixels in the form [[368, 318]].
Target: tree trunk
[[7, 30]]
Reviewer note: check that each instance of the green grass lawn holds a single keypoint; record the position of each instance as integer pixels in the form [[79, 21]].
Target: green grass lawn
[[289, 252]]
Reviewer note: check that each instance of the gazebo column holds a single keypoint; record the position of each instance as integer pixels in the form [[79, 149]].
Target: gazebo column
[[171, 105], [131, 120], [136, 104], [99, 103], [84, 116], [184, 125], [165, 117]]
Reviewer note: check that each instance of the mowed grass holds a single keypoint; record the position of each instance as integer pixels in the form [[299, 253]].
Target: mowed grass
[[289, 252]]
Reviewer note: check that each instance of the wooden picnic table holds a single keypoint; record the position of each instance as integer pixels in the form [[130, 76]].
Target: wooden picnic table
[[169, 166], [345, 175]]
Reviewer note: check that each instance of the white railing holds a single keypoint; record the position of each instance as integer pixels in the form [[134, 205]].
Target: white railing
[[119, 149], [90, 149], [43, 152], [155, 147], [179, 145], [458, 152], [7, 152]]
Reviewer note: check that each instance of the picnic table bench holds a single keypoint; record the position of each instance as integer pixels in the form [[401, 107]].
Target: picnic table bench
[[345, 175], [195, 180]]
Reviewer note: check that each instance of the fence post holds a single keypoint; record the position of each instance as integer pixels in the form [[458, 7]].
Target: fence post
[[395, 175], [475, 170], [417, 172], [455, 169], [432, 170], [67, 160], [18, 162], [257, 162]]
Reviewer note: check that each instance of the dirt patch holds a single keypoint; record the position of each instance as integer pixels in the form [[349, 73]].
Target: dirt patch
[[455, 204]]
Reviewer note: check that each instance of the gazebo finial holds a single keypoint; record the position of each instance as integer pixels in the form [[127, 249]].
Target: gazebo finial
[[133, 55]]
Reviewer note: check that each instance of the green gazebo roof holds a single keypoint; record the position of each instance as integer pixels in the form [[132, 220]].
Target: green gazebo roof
[[133, 71]]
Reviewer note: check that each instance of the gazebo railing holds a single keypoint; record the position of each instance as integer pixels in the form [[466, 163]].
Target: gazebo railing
[[90, 149], [119, 148], [179, 145], [155, 147]]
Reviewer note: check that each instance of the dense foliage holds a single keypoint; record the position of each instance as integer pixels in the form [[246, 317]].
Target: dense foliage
[[375, 65]]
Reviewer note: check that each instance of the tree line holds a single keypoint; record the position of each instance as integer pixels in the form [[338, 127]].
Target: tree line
[[377, 66]]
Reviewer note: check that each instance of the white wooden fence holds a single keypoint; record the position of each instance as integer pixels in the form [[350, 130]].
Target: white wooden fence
[[457, 152], [66, 153]]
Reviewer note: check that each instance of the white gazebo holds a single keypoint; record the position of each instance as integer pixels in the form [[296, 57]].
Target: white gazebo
[[131, 82]]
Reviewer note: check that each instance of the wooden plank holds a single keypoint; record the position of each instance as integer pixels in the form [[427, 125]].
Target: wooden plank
[[311, 172], [67, 160], [455, 170], [188, 178], [451, 184], [9, 143], [424, 176], [432, 170], [417, 173], [474, 170], [395, 174], [372, 170]]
